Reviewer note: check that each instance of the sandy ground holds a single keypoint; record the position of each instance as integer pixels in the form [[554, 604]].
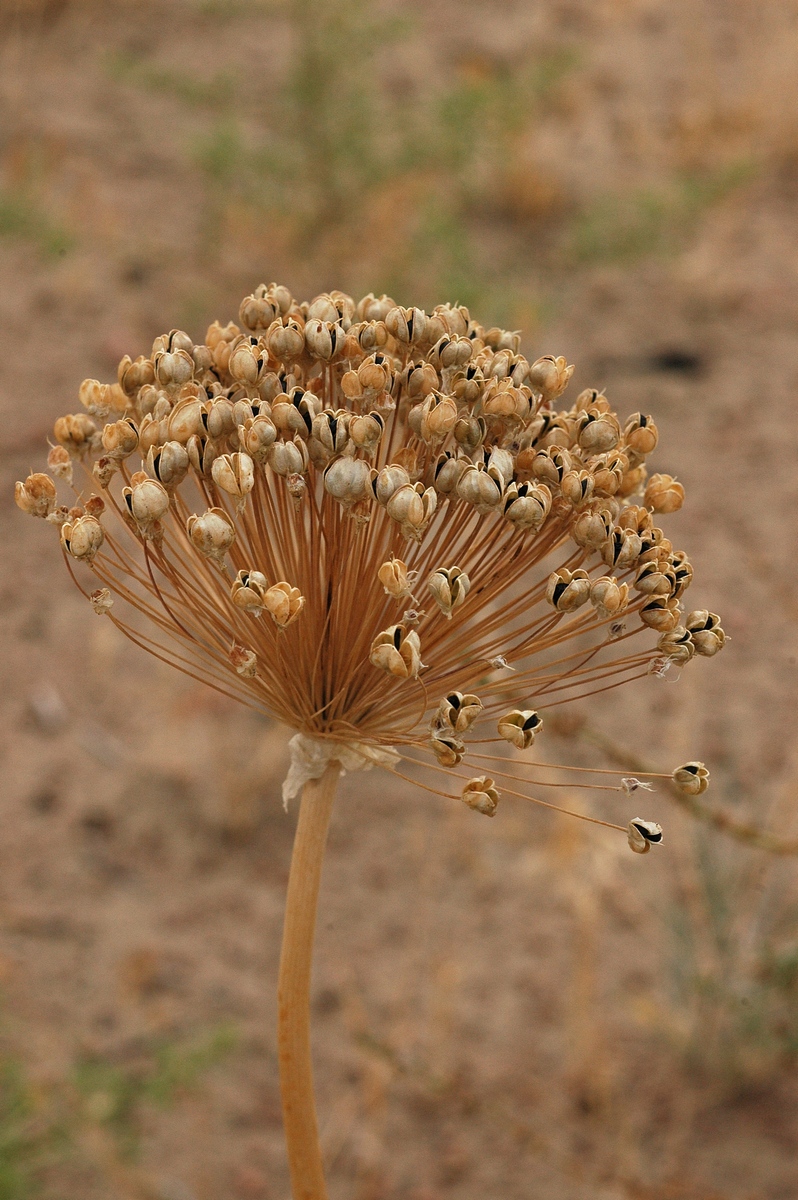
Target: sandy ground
[[513, 1009]]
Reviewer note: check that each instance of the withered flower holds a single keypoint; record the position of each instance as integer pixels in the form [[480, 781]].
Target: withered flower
[[269, 498]]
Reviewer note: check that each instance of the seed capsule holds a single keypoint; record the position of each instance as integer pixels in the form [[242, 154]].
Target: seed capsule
[[448, 351], [331, 429], [75, 432], [664, 494], [185, 419], [36, 496], [568, 590], [234, 474], [219, 340], [469, 433], [284, 603], [447, 748], [394, 578], [655, 579], [660, 613], [643, 835], [366, 431], [527, 505], [389, 481], [258, 436], [147, 501], [500, 464], [438, 417], [120, 439], [168, 464], [374, 308], [60, 464], [289, 458], [293, 411], [550, 465], [173, 367], [503, 402], [501, 339], [397, 650], [458, 712], [598, 431], [212, 534], [259, 310], [622, 548], [333, 306], [454, 317], [218, 417], [682, 571], [609, 471], [608, 596], [640, 434], [550, 376], [285, 339], [636, 518], [248, 591], [412, 507], [520, 727], [592, 528], [449, 586], [134, 375], [447, 473], [347, 480], [324, 339], [407, 325], [202, 453], [247, 361], [706, 633], [175, 339], [577, 487], [95, 397], [480, 793], [82, 538], [481, 487], [677, 644], [692, 778], [633, 481]]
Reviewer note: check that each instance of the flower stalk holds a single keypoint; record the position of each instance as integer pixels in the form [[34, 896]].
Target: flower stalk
[[293, 993]]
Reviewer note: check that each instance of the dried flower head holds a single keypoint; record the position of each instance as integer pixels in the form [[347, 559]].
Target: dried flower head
[[268, 499]]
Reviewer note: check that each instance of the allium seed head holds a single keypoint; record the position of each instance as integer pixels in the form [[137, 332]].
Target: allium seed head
[[270, 497]]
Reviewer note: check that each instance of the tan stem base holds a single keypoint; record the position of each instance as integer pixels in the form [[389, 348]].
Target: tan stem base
[[293, 995]]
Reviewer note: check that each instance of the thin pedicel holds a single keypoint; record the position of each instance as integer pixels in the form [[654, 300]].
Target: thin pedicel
[[375, 524]]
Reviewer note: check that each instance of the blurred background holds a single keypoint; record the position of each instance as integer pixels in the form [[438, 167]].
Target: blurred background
[[502, 1009]]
